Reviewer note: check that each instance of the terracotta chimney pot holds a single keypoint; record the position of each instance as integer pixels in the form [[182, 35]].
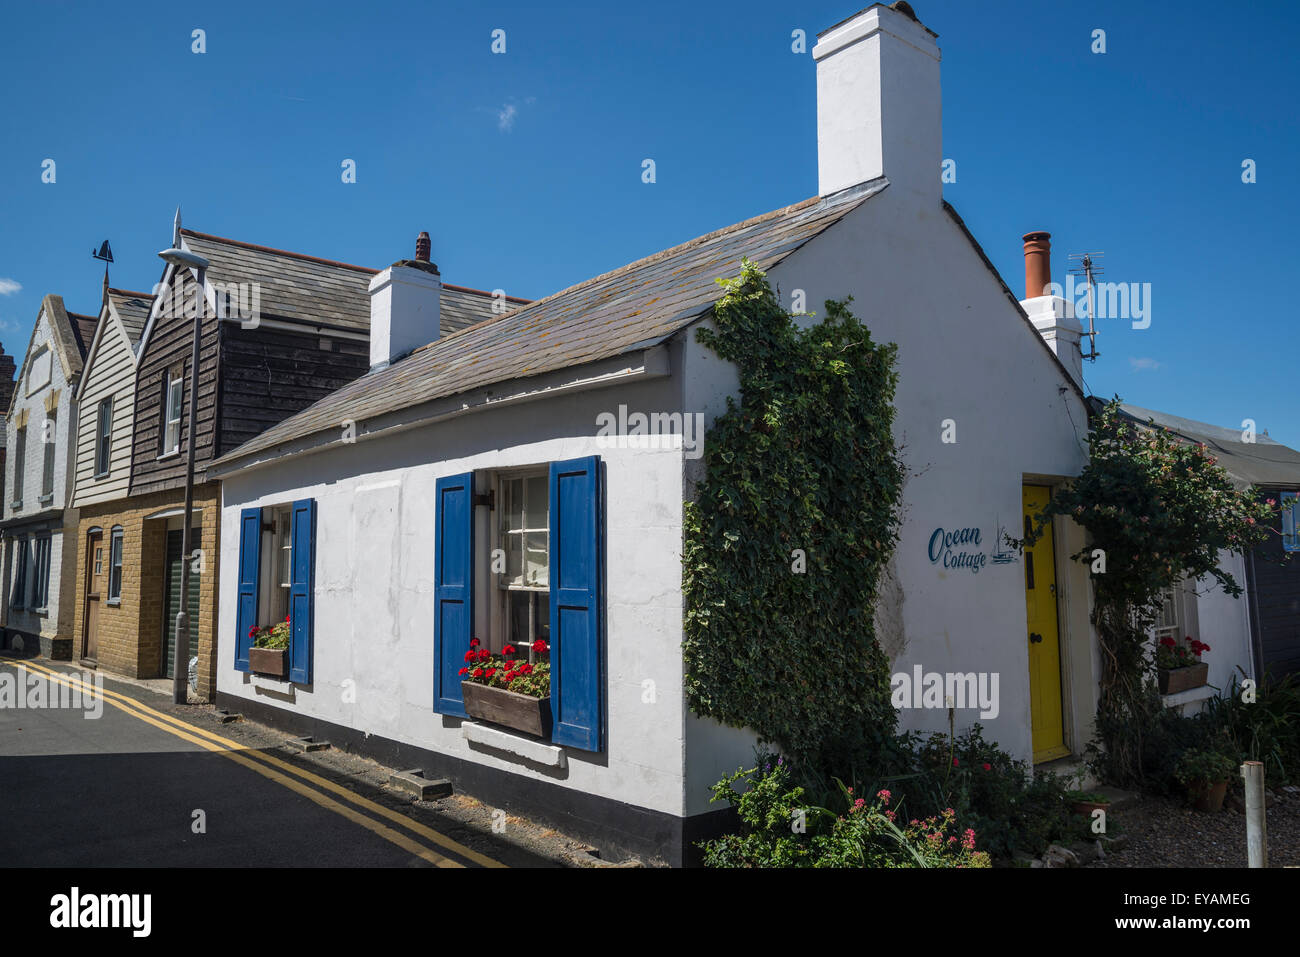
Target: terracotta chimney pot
[[1038, 263]]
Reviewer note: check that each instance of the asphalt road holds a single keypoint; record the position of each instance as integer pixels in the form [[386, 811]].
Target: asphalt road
[[130, 787]]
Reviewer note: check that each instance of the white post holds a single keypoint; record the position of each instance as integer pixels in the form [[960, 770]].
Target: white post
[[1256, 829]]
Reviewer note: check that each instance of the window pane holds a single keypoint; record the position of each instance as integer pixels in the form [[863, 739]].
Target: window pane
[[535, 497], [514, 546], [115, 568], [517, 625], [535, 559], [513, 491]]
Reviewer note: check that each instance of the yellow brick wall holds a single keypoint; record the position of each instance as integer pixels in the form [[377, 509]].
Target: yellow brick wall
[[130, 635]]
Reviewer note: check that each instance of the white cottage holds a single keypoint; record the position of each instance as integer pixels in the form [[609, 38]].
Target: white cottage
[[462, 489]]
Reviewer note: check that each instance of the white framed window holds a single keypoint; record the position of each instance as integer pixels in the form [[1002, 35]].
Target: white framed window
[[522, 611], [115, 566], [1169, 622], [41, 578], [277, 564], [18, 593], [20, 465], [48, 434], [103, 437], [173, 395], [1291, 522]]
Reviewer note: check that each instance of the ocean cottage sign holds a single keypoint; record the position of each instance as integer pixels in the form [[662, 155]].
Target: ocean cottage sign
[[956, 549], [960, 548]]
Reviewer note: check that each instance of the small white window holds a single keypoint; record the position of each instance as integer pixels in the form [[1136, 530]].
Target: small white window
[[172, 412], [524, 586], [277, 547]]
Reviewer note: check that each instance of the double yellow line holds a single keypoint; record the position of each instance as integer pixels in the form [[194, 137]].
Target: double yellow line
[[283, 773]]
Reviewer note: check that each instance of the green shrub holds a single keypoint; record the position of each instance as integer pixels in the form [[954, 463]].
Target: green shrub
[[1266, 729], [1202, 766], [780, 829]]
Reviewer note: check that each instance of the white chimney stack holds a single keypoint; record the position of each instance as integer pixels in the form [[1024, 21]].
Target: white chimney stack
[[1052, 315], [404, 307], [878, 103]]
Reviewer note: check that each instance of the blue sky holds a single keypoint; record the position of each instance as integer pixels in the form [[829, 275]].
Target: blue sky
[[525, 167]]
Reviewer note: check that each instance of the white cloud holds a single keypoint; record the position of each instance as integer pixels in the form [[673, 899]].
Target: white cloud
[[9, 286], [1143, 365], [507, 114]]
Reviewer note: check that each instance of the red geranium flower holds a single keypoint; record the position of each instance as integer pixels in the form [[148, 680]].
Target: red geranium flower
[[525, 669], [988, 767], [484, 654], [252, 632], [473, 642], [463, 671], [477, 673], [539, 646], [508, 650], [490, 672], [469, 655], [954, 762], [1167, 641]]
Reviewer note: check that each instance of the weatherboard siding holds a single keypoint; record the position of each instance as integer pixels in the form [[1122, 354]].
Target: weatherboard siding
[[111, 372], [170, 343], [268, 374]]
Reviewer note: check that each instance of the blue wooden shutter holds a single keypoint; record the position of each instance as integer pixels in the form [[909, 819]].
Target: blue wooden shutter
[[302, 591], [453, 589], [250, 564], [577, 603]]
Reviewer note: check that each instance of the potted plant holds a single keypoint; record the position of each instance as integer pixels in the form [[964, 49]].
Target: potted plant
[[270, 652], [1205, 772], [509, 689], [1084, 803], [1179, 666]]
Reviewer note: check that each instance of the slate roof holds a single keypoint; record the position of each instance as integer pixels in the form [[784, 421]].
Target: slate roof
[[133, 309], [630, 308], [301, 288], [1262, 462], [83, 331]]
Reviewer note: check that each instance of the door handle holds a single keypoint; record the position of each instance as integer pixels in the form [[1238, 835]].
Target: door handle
[[1035, 637]]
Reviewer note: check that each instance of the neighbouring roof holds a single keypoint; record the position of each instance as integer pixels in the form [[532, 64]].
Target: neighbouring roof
[[1262, 462], [133, 309], [299, 288], [83, 331], [630, 308]]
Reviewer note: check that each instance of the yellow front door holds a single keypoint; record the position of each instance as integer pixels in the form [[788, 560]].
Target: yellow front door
[[1044, 639]]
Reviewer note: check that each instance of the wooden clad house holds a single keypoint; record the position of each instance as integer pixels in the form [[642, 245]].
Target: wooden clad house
[[40, 429], [280, 330]]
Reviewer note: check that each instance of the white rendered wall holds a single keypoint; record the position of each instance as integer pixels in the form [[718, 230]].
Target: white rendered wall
[[374, 584], [965, 354]]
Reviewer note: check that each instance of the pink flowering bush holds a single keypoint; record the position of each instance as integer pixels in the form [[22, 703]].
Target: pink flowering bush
[[779, 829]]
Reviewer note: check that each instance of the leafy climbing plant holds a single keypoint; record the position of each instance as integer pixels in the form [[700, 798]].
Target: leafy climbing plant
[[1157, 509], [790, 529]]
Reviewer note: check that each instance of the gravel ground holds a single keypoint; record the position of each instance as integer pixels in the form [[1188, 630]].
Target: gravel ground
[[1166, 833]]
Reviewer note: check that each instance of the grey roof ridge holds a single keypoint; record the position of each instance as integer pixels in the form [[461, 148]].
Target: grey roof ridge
[[847, 197], [842, 196]]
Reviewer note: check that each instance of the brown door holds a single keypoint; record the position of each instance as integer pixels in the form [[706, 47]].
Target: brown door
[[95, 577]]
